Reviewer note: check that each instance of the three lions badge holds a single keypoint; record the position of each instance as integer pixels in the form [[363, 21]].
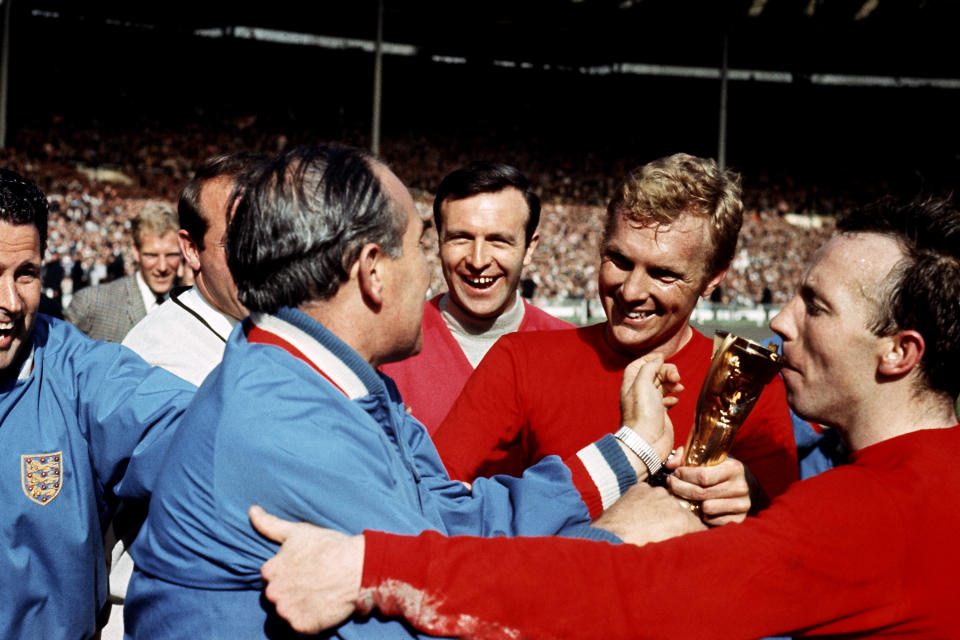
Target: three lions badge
[[40, 475]]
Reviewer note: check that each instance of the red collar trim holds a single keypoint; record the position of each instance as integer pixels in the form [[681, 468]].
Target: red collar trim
[[258, 335]]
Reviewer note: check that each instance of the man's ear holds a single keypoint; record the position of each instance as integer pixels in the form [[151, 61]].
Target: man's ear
[[902, 353], [370, 274], [531, 247], [713, 283], [191, 254]]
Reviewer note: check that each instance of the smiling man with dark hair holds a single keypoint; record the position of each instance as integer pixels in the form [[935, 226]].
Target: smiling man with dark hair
[[82, 423], [486, 215]]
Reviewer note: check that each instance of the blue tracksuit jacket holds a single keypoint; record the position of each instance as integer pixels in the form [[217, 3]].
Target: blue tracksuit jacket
[[320, 437], [91, 420]]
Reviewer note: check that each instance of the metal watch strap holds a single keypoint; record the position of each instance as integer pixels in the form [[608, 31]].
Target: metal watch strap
[[639, 446]]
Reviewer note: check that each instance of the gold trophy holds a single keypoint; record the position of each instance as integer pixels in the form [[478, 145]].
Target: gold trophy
[[739, 370]]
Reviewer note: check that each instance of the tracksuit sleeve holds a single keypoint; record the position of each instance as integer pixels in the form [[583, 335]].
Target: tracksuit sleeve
[[550, 497], [130, 422]]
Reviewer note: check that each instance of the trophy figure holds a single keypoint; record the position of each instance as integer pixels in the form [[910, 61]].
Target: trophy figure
[[739, 370]]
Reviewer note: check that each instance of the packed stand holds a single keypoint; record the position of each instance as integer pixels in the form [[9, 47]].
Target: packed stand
[[98, 178]]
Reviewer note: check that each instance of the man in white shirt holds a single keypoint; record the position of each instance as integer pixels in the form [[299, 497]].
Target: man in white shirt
[[187, 336], [108, 311]]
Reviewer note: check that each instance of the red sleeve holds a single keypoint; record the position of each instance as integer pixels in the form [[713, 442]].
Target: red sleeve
[[765, 443], [804, 566], [481, 430]]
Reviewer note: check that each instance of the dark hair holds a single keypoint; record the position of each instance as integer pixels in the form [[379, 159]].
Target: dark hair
[[486, 177], [922, 292], [22, 202], [230, 165], [301, 221]]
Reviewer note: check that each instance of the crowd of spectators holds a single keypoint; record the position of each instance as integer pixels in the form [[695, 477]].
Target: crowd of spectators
[[97, 179]]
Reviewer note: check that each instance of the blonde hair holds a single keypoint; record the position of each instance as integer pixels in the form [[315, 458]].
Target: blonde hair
[[157, 218], [658, 192]]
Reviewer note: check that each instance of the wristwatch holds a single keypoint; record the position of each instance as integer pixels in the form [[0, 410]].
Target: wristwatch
[[639, 446]]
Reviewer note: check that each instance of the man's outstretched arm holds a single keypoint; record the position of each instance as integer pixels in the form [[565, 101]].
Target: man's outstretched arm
[[759, 578], [316, 580]]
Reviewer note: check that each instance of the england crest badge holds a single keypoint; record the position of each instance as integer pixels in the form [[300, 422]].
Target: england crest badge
[[41, 476]]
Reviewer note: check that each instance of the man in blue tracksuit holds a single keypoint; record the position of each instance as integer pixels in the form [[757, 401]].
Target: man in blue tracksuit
[[325, 249], [82, 423]]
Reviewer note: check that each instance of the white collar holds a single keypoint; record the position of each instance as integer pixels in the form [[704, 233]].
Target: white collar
[[149, 297], [460, 322], [323, 359], [220, 322]]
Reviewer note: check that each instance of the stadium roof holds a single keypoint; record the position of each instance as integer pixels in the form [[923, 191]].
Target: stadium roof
[[802, 37]]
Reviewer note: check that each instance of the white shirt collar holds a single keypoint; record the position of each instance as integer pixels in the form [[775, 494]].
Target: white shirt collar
[[149, 297], [220, 322]]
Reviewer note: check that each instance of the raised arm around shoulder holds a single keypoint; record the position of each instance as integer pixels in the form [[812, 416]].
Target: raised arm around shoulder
[[130, 412], [314, 580]]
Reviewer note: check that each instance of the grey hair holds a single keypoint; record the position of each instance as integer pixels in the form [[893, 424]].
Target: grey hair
[[301, 222]]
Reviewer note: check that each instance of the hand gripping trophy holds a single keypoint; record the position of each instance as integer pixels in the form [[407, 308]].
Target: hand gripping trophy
[[739, 371]]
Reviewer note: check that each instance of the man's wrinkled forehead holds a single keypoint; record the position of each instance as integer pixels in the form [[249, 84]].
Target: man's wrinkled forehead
[[859, 263], [24, 228], [23, 203]]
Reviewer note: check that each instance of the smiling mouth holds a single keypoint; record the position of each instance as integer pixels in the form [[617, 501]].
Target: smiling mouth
[[6, 333], [480, 282], [637, 314]]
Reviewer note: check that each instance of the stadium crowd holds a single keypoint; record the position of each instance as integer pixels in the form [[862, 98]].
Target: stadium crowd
[[280, 260], [99, 177]]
